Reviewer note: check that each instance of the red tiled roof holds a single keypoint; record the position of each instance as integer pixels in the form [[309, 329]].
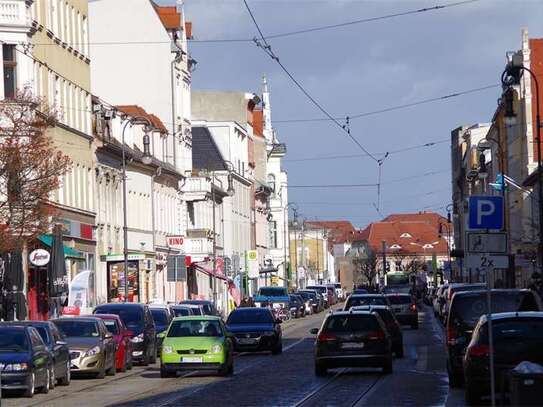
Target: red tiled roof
[[340, 230], [171, 19], [418, 230], [138, 111]]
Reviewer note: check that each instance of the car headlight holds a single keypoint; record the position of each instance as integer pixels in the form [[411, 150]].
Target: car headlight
[[216, 349], [167, 349], [93, 351], [137, 339], [15, 367]]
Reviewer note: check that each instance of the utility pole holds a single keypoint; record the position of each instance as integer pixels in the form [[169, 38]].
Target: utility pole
[[303, 249], [318, 262], [296, 256], [384, 243]]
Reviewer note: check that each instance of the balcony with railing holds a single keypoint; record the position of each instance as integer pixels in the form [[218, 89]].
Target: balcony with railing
[[15, 14], [197, 188]]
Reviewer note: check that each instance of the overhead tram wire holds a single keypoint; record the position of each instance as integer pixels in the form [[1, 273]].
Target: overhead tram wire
[[266, 47], [286, 34]]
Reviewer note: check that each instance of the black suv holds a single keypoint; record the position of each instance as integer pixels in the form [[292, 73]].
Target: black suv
[[255, 329], [517, 337], [352, 339], [464, 312], [139, 321]]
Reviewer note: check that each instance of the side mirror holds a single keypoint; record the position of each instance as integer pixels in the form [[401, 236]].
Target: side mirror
[[161, 335], [61, 343], [314, 331]]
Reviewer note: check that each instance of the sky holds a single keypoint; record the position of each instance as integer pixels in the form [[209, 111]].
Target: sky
[[363, 68]]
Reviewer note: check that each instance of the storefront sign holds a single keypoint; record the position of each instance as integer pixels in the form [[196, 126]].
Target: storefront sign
[[40, 257], [252, 264], [175, 242], [120, 257]]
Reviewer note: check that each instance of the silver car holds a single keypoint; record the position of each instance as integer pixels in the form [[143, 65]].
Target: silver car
[[405, 309]]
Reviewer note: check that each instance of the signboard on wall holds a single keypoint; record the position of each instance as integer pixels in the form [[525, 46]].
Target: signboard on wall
[[175, 242]]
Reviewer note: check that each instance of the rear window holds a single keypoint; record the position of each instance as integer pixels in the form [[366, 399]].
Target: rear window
[[272, 292], [385, 315], [400, 299], [355, 301], [181, 312], [514, 330], [468, 309], [351, 323], [258, 316]]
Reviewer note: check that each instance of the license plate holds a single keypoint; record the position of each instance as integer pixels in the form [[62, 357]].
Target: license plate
[[247, 341], [191, 359], [352, 345]]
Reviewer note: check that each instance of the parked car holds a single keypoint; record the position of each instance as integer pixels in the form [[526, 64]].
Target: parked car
[[465, 310], [92, 347], [339, 291], [196, 309], [296, 305], [255, 329], [365, 299], [405, 309], [454, 288], [393, 326], [352, 339], [139, 321], [196, 343], [207, 306], [313, 298], [25, 359], [517, 337], [181, 310], [162, 319], [328, 294], [56, 344], [360, 291], [121, 336], [439, 299]]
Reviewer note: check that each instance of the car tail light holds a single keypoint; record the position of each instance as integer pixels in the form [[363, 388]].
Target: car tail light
[[326, 337], [414, 307], [375, 335], [451, 336], [479, 350]]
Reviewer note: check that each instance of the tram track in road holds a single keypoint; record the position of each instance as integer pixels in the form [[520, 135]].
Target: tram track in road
[[337, 389]]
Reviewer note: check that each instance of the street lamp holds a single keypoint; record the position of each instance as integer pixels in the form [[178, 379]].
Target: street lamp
[[285, 231], [511, 77], [146, 159]]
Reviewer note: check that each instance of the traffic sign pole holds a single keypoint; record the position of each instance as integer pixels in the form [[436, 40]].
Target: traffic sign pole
[[490, 338]]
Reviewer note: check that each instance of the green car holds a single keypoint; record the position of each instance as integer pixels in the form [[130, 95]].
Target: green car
[[196, 343]]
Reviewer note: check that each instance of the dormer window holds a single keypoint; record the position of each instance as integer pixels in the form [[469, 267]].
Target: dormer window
[[428, 246], [405, 236], [395, 246]]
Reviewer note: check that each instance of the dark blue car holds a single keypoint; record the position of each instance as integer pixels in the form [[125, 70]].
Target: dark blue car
[[255, 329], [25, 360]]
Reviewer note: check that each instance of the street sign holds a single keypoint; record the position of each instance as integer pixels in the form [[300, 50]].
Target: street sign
[[275, 281], [487, 261], [487, 243], [253, 267], [485, 212]]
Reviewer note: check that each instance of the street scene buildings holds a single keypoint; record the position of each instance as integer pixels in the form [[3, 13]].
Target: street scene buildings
[[144, 194]]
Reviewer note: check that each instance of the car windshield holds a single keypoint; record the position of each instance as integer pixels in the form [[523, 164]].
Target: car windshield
[[132, 317], [322, 290], [365, 300], [253, 316], [468, 309], [309, 294], [43, 333], [181, 311], [160, 316], [13, 340], [75, 328], [400, 299], [272, 292], [111, 326], [351, 323], [294, 299], [189, 328]]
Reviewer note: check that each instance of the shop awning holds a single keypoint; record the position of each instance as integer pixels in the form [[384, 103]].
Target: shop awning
[[69, 253], [209, 271]]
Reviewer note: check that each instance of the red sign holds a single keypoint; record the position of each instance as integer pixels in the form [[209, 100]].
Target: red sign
[[175, 242]]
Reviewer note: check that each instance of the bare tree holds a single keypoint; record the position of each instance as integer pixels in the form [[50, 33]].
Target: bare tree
[[365, 268], [30, 169]]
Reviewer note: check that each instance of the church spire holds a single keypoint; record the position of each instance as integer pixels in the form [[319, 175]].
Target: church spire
[[268, 129]]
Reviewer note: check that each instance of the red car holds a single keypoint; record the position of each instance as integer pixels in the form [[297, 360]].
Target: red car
[[123, 355]]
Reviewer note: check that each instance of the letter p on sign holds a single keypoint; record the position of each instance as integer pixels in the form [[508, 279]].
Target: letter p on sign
[[485, 212]]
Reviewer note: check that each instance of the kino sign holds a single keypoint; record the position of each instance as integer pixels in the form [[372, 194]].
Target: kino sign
[[175, 242], [485, 212]]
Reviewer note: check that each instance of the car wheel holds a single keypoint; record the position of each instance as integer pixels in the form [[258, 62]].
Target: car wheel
[[472, 395], [231, 366], [320, 369], [152, 360], [125, 363], [130, 363], [65, 381], [52, 378], [145, 360], [455, 380], [102, 372], [45, 388], [166, 373], [31, 389], [387, 366], [278, 349]]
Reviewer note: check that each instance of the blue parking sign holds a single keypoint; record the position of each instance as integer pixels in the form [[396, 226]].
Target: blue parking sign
[[485, 212]]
